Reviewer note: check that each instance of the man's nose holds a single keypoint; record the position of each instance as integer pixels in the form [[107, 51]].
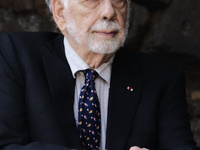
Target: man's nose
[[107, 10]]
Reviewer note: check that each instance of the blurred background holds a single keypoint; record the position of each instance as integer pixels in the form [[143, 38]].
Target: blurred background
[[169, 29]]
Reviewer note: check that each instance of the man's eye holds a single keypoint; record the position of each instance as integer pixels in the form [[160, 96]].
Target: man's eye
[[91, 3], [119, 3]]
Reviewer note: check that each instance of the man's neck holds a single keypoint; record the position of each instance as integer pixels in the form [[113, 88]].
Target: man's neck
[[94, 60]]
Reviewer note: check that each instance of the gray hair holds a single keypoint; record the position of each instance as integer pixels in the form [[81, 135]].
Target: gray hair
[[48, 2]]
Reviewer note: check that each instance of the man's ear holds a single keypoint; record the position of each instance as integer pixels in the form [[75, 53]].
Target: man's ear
[[58, 14]]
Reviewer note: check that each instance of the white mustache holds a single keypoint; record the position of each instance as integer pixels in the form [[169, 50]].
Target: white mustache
[[106, 26]]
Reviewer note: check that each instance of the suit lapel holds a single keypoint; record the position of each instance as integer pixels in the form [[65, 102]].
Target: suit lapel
[[123, 102], [62, 85]]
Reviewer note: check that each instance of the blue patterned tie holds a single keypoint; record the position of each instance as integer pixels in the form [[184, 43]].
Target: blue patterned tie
[[89, 113]]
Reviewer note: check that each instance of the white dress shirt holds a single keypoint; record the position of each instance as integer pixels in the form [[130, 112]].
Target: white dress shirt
[[102, 84]]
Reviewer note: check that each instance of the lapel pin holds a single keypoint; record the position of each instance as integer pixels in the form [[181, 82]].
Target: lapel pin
[[130, 88]]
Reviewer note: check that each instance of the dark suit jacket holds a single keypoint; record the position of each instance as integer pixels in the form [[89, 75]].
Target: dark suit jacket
[[37, 97]]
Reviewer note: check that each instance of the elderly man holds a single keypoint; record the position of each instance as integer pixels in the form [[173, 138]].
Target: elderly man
[[76, 90]]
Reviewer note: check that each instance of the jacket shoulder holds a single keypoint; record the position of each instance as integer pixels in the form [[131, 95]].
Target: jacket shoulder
[[20, 48], [152, 66], [29, 36]]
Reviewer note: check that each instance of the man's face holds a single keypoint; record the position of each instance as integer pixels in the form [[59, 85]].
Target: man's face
[[99, 26]]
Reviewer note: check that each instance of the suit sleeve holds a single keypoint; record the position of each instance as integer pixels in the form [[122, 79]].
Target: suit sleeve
[[173, 125], [14, 133]]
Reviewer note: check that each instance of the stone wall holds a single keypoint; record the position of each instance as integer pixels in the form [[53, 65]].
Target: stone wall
[[166, 28], [25, 15]]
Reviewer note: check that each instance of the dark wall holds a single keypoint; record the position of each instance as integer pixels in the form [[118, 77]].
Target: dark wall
[[25, 15], [166, 28]]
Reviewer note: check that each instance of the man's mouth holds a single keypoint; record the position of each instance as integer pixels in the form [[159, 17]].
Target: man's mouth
[[107, 34]]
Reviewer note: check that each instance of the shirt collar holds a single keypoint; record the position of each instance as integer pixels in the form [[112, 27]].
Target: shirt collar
[[76, 63]]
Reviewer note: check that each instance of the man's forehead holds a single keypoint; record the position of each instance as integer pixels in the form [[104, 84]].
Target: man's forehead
[[48, 2]]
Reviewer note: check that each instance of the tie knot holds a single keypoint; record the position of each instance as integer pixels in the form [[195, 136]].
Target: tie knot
[[90, 74]]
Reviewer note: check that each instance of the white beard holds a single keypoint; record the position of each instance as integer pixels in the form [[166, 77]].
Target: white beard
[[101, 45], [94, 43]]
